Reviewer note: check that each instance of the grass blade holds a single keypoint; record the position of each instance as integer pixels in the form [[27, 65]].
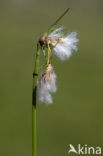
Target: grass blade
[[52, 27]]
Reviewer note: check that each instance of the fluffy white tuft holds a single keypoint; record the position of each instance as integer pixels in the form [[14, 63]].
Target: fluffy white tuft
[[57, 32], [46, 86], [66, 46]]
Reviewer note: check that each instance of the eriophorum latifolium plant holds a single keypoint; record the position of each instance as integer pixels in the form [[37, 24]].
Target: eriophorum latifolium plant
[[52, 42]]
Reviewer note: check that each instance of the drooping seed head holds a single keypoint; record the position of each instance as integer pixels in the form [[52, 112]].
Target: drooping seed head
[[46, 85]]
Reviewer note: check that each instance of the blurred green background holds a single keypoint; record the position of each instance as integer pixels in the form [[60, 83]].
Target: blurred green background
[[76, 116]]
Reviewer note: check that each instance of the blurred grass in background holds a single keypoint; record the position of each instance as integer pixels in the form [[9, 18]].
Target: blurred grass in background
[[76, 115]]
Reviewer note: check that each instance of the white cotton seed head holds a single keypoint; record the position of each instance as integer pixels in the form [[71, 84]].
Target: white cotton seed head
[[46, 86], [66, 46], [44, 96]]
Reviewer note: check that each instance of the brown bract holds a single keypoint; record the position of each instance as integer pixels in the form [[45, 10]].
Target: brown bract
[[47, 41], [47, 74]]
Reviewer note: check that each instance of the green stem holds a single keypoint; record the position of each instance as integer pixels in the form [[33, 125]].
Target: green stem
[[35, 78], [49, 56]]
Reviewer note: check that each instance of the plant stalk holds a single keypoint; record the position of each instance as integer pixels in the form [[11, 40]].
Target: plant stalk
[[35, 78]]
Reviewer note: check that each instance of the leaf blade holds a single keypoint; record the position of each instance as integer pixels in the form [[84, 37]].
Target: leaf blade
[[52, 27]]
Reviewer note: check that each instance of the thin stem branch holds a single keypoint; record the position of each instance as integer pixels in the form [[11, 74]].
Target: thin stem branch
[[49, 55], [35, 78]]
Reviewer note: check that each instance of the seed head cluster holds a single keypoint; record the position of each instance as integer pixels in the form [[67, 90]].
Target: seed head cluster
[[62, 46]]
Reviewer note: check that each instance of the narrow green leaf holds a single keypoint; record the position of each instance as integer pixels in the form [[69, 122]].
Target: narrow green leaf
[[52, 27]]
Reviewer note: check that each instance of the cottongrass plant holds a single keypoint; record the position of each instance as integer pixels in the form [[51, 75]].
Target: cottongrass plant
[[52, 42]]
